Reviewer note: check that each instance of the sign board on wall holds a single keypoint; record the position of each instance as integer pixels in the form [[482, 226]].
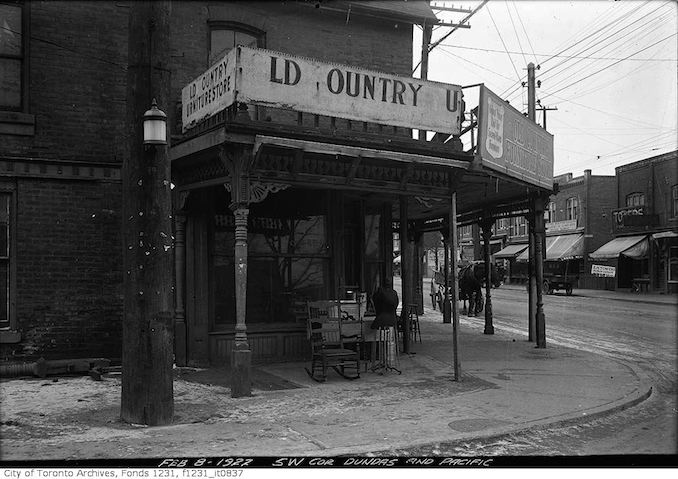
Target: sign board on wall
[[511, 143], [264, 77], [567, 225], [601, 270]]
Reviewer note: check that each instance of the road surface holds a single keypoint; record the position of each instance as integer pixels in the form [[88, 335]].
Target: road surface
[[639, 333]]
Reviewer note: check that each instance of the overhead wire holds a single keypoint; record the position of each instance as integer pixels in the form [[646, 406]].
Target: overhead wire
[[503, 43], [589, 35], [452, 55], [525, 32], [593, 37], [648, 26], [515, 31], [611, 65], [511, 89], [570, 75], [490, 50]]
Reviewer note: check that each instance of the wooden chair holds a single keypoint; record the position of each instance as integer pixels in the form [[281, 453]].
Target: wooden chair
[[328, 344]]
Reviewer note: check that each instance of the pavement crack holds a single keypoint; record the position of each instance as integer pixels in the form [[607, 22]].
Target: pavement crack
[[318, 443]]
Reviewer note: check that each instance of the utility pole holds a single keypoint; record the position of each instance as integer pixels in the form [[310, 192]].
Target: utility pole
[[532, 237], [537, 231], [531, 93], [147, 334], [544, 109], [425, 42]]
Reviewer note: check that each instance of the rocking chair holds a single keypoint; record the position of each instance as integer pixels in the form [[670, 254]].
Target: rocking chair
[[328, 344]]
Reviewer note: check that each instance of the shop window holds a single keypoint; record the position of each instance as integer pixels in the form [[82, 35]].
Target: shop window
[[572, 206], [288, 259], [635, 199], [674, 203], [224, 36]]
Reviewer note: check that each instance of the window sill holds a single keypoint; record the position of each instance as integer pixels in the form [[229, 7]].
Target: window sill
[[10, 336], [17, 123]]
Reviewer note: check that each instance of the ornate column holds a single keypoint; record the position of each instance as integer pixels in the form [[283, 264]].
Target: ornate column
[[539, 232], [487, 225], [244, 189], [241, 356], [179, 286], [237, 162]]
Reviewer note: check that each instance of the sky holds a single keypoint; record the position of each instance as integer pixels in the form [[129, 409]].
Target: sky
[[609, 67]]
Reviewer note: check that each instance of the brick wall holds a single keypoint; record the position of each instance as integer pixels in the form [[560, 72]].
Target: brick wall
[[78, 62], [69, 273], [293, 28], [602, 200]]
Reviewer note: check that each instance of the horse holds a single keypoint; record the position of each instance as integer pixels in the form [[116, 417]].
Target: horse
[[471, 282], [470, 287]]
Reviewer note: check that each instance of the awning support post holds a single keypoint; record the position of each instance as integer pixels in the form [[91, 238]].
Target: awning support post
[[539, 231], [487, 224], [531, 280]]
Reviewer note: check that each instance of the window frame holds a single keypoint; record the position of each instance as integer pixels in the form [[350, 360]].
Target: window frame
[[10, 333], [674, 201], [212, 25], [550, 212], [634, 195], [572, 208], [23, 56]]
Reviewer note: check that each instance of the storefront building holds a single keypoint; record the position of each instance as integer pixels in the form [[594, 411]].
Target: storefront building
[[577, 223], [642, 256], [293, 165]]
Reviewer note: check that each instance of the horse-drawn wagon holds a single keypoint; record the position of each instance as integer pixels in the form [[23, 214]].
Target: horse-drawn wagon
[[471, 282]]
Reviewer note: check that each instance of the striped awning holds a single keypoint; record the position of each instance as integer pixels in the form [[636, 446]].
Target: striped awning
[[510, 251], [560, 247], [635, 247]]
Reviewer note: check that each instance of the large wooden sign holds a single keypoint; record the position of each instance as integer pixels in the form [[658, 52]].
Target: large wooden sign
[[265, 77], [511, 143]]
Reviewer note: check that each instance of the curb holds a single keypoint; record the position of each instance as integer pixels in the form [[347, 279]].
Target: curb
[[642, 392], [538, 424], [637, 299]]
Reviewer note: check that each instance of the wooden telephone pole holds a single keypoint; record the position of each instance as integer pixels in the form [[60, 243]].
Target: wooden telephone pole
[[147, 348]]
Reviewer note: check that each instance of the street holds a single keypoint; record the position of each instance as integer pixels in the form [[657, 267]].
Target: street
[[642, 334]]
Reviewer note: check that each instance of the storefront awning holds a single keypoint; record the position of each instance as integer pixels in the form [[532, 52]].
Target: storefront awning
[[511, 251], [355, 151], [560, 247], [665, 234], [632, 246]]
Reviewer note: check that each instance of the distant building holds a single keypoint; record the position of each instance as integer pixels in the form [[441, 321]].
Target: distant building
[[576, 225], [644, 252]]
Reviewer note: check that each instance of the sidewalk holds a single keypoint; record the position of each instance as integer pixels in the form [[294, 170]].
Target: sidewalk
[[647, 298], [507, 385]]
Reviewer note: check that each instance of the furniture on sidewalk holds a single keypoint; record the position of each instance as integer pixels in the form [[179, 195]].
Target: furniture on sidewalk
[[386, 351], [329, 344], [413, 316]]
